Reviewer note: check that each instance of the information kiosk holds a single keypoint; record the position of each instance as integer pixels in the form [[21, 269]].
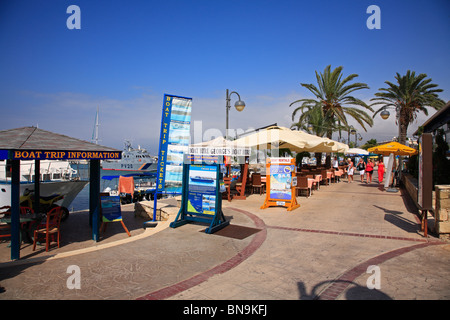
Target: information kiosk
[[280, 183], [201, 195]]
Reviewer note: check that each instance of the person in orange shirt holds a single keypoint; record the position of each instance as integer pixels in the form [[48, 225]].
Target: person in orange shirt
[[380, 170], [369, 170]]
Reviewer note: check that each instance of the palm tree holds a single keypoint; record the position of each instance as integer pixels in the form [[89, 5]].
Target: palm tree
[[332, 97], [408, 97], [312, 121]]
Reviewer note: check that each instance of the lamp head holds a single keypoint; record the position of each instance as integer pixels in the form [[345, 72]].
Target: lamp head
[[239, 105], [384, 114]]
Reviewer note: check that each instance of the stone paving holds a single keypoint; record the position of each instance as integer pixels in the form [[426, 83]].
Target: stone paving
[[321, 250]]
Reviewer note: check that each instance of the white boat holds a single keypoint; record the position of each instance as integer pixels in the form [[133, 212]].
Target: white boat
[[138, 160], [57, 179]]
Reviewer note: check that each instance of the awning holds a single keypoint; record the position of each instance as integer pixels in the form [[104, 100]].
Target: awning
[[31, 143]]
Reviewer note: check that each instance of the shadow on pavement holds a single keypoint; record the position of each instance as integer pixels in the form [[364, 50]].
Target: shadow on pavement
[[353, 291]]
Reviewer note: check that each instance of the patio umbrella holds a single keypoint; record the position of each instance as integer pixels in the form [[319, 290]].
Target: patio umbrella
[[217, 142], [276, 137], [357, 151], [395, 148]]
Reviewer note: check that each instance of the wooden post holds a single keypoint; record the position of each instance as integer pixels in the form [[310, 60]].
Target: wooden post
[[425, 183], [94, 198], [37, 186], [15, 210]]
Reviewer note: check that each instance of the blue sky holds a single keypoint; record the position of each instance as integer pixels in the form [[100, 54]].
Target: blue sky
[[127, 54]]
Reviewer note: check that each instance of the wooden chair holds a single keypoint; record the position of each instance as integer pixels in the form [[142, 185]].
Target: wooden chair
[[227, 194], [256, 183], [50, 229], [5, 229], [326, 176], [304, 183], [242, 182]]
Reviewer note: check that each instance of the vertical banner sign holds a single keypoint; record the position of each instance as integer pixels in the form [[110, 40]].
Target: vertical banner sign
[[173, 143], [281, 183]]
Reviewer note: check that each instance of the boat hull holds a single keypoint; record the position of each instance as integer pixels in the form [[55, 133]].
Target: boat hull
[[124, 166], [69, 189]]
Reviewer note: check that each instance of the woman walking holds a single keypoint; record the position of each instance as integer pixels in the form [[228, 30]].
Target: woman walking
[[350, 169], [361, 166], [380, 170], [369, 170]]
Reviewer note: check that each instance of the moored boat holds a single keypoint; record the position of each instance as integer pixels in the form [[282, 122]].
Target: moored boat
[[58, 184], [138, 160]]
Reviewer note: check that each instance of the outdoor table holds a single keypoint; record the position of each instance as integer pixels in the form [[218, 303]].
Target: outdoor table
[[26, 221]]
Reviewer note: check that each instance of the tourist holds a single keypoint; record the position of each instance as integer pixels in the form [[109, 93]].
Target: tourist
[[336, 163], [380, 170], [350, 169], [361, 166], [369, 170]]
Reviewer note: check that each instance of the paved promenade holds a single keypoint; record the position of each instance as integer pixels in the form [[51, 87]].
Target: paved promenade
[[322, 250]]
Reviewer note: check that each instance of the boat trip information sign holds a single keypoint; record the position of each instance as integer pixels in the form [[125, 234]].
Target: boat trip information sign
[[281, 183], [201, 195], [173, 144], [174, 140], [63, 155]]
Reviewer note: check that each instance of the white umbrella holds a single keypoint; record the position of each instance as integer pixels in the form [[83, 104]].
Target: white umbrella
[[280, 137], [357, 151]]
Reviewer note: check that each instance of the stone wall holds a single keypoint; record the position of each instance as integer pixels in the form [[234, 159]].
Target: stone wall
[[165, 208], [441, 204], [441, 212]]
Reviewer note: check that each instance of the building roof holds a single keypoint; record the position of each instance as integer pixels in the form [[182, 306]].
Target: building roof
[[437, 120], [35, 139]]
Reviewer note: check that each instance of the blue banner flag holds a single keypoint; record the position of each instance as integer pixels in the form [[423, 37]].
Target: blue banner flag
[[174, 141]]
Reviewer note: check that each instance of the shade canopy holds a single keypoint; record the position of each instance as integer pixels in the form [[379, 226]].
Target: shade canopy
[[31, 143], [217, 142], [396, 148], [357, 151], [276, 137]]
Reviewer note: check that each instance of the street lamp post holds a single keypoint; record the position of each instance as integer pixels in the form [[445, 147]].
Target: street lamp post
[[239, 105]]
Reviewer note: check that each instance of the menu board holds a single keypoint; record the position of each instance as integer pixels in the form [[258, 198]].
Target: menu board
[[281, 183]]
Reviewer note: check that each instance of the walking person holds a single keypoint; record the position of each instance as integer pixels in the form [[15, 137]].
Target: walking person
[[380, 170], [350, 169], [369, 170], [361, 167]]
